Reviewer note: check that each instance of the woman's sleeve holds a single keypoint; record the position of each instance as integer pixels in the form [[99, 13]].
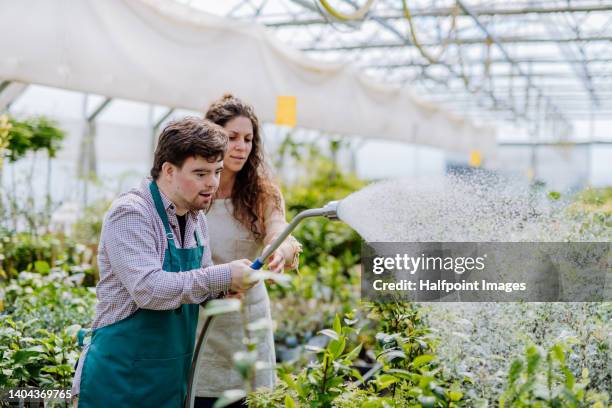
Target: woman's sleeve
[[274, 224]]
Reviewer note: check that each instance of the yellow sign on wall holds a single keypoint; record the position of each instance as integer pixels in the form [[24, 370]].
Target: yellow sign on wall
[[475, 158], [286, 110]]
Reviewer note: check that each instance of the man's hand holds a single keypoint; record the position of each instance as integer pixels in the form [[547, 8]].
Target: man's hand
[[240, 270]]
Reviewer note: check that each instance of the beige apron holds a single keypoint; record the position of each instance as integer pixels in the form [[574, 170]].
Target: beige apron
[[229, 240]]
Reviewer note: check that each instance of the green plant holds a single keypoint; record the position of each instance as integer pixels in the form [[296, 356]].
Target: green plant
[[38, 329], [480, 340], [33, 134], [39, 253], [40, 359], [17, 138], [410, 370], [542, 379], [326, 378], [595, 196], [5, 127], [50, 302], [591, 215]]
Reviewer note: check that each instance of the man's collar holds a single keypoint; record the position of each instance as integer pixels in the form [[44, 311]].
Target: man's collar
[[168, 205]]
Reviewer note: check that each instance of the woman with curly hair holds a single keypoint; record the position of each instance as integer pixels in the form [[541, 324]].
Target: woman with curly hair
[[247, 214]]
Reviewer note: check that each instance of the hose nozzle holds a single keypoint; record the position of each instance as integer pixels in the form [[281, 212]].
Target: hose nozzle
[[329, 210]]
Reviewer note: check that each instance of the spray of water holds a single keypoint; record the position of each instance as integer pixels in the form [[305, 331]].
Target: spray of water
[[476, 339], [460, 209]]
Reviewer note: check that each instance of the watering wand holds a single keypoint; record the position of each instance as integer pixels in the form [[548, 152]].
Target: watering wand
[[329, 210]]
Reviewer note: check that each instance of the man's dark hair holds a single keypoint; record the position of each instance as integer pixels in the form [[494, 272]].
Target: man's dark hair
[[189, 137]]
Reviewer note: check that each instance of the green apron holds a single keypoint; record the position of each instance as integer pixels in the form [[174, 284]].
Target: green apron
[[144, 359]]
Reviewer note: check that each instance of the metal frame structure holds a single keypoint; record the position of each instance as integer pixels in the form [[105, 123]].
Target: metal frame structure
[[541, 64]]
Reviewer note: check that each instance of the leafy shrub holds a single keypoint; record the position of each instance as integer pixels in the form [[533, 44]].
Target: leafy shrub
[[475, 340], [410, 370], [33, 134], [51, 302], [406, 374], [38, 330], [38, 358], [324, 379], [542, 379], [39, 253]]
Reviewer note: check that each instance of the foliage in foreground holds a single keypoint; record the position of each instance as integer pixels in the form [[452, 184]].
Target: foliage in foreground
[[38, 334], [408, 373]]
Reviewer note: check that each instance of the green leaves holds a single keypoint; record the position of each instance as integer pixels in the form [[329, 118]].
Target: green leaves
[[37, 333], [354, 353], [337, 325], [533, 379], [22, 357], [385, 381], [325, 379], [289, 403], [455, 395], [42, 267], [558, 352], [33, 134], [35, 358], [515, 370], [422, 360], [336, 347], [301, 391]]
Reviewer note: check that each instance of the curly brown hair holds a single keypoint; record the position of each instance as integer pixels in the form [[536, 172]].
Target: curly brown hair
[[253, 187]]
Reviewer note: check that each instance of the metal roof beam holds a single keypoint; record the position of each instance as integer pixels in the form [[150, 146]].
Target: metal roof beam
[[505, 53], [445, 12], [92, 116], [405, 41], [492, 61], [581, 71], [551, 74], [462, 41], [9, 92]]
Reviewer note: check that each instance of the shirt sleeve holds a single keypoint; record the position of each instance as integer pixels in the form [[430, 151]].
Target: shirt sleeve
[[274, 224], [133, 254]]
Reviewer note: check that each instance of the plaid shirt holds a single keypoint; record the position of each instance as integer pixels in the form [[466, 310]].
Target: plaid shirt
[[130, 259]]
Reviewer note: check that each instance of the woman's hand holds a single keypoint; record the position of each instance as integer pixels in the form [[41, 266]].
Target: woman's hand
[[276, 261]]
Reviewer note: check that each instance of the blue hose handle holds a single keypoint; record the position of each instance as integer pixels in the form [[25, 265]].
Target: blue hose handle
[[257, 264]]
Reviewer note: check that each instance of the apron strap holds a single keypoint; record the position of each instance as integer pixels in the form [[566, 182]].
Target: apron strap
[[162, 213], [81, 336], [198, 238]]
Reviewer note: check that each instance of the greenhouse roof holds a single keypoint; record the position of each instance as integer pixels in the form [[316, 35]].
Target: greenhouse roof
[[166, 53], [534, 62]]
